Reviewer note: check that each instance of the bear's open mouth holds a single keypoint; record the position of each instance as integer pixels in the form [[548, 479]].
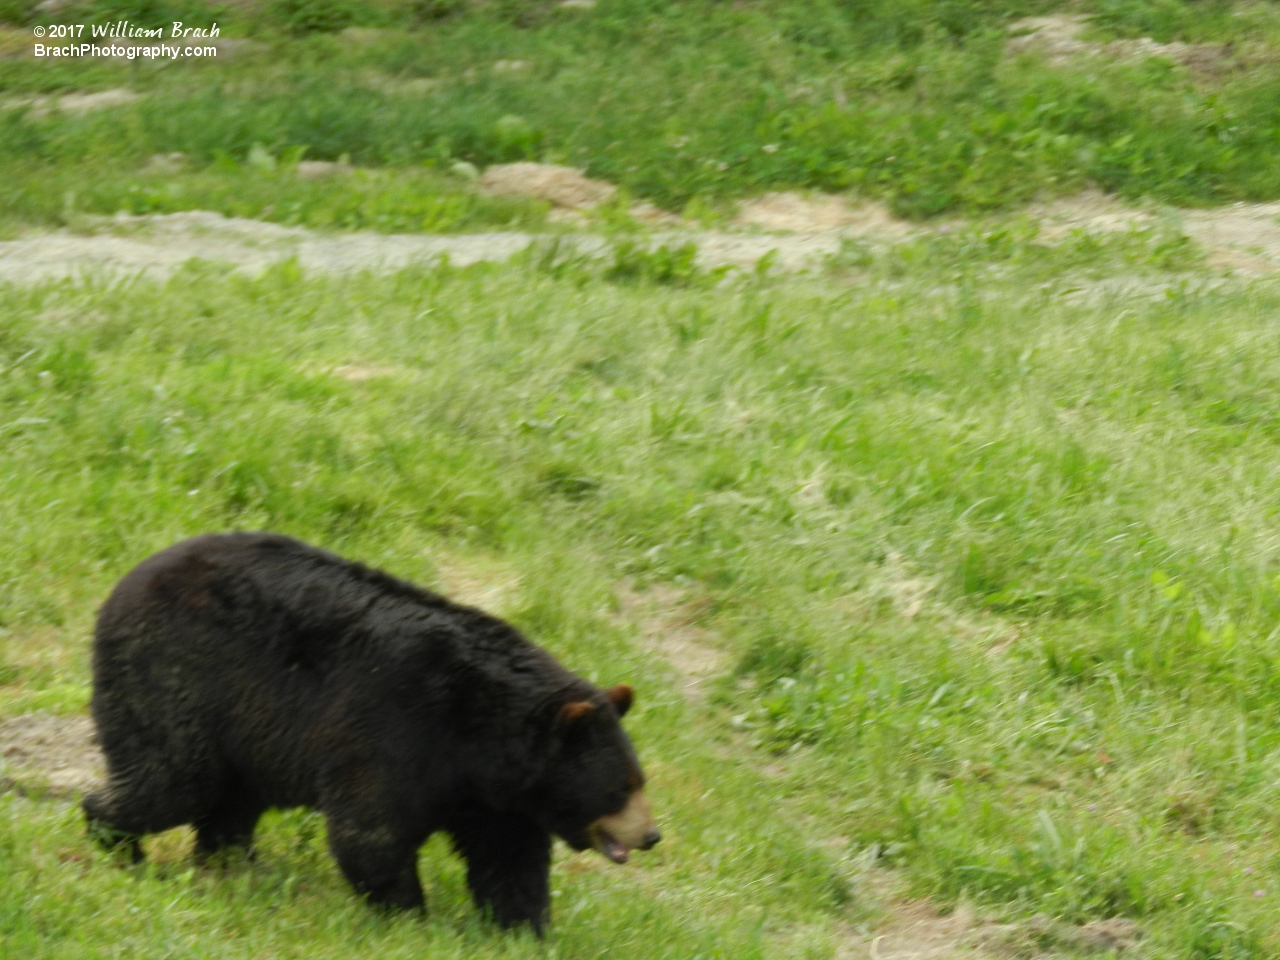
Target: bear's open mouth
[[607, 845], [632, 828]]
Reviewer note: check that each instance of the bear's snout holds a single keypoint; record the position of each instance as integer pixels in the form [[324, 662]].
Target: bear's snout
[[631, 828]]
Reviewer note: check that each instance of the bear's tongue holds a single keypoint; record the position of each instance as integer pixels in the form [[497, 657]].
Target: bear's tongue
[[615, 851]]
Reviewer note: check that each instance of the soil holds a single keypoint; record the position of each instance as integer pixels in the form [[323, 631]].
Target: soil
[[1244, 238], [915, 930], [819, 213], [157, 246], [559, 186], [57, 754]]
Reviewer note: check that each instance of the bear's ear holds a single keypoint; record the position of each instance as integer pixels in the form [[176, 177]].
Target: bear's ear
[[575, 712], [621, 697]]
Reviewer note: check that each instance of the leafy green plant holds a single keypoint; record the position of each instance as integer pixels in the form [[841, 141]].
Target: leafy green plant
[[634, 261]]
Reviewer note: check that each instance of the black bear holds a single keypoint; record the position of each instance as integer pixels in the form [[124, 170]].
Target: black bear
[[242, 671]]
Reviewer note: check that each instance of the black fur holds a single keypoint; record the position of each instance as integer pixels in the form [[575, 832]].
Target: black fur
[[237, 672]]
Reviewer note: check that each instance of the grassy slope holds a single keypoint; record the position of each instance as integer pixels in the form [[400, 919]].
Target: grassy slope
[[692, 103], [1086, 490], [1077, 718]]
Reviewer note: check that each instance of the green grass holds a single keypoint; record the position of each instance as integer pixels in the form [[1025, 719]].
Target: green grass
[[404, 200], [988, 541], [983, 524], [705, 102]]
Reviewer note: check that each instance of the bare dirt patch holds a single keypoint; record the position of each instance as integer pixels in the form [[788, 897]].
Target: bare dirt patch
[[665, 619], [59, 753], [1091, 211], [1041, 932], [901, 589], [559, 186], [1059, 39], [798, 231], [917, 930], [818, 213], [41, 105], [165, 163], [1244, 237], [360, 372], [399, 86], [320, 169], [570, 192]]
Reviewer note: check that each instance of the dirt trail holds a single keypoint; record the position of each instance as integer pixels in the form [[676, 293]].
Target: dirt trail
[[157, 246], [664, 619], [800, 231]]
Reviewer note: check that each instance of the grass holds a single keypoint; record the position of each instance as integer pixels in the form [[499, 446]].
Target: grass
[[983, 524], [690, 104], [388, 201], [993, 562]]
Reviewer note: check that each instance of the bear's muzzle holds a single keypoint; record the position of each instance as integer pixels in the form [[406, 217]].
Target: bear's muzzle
[[631, 828]]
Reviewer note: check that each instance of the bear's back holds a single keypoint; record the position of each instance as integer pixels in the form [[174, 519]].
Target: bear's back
[[262, 604]]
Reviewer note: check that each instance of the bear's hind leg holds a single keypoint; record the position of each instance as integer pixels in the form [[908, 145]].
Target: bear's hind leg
[[508, 867], [377, 865]]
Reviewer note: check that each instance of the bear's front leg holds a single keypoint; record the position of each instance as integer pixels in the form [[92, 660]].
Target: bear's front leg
[[508, 866], [378, 865], [103, 815]]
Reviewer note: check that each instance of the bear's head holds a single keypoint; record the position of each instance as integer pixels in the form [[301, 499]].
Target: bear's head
[[593, 787]]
